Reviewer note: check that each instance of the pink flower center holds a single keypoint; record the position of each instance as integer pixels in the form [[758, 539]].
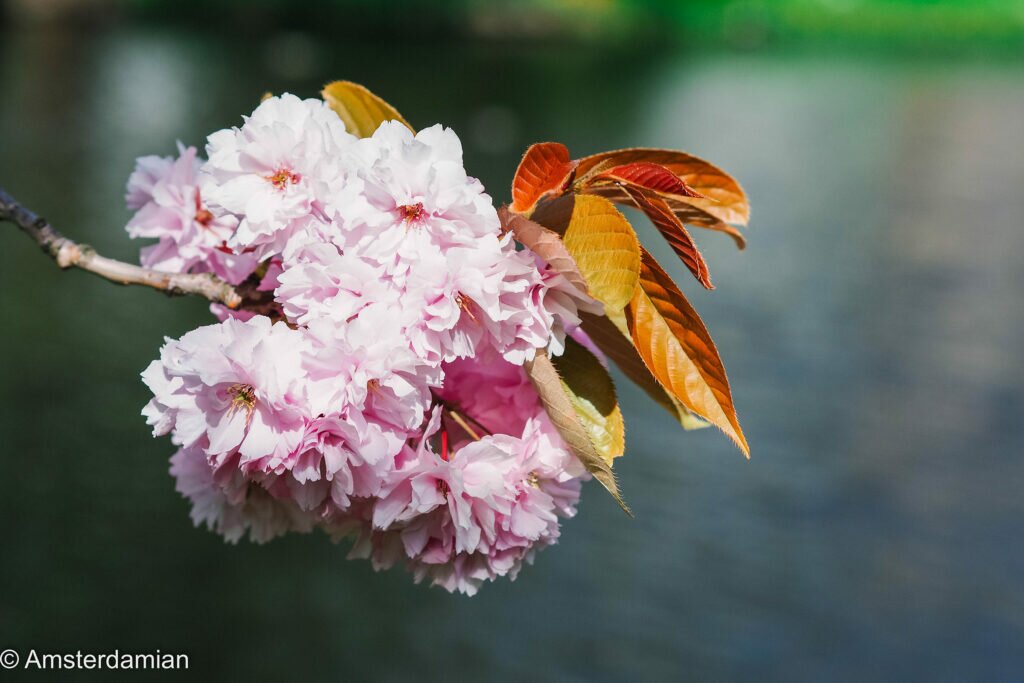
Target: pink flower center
[[282, 178], [411, 212]]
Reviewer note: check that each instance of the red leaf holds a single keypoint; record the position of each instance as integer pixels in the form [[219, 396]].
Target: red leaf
[[649, 176], [724, 198], [673, 231], [545, 169], [685, 211]]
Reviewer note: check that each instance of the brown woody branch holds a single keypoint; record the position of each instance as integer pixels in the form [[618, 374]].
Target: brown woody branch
[[70, 254]]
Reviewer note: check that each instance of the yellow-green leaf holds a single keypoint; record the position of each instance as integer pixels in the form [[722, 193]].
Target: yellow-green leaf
[[611, 334], [592, 392], [360, 110], [561, 408], [677, 349], [605, 248]]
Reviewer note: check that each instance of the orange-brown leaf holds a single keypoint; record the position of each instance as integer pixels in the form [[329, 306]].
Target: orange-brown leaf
[[545, 243], [724, 199], [677, 349], [673, 231], [361, 111], [647, 176], [545, 169], [610, 333]]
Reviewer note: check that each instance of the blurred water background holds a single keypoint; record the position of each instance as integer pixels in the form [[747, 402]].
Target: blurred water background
[[872, 330]]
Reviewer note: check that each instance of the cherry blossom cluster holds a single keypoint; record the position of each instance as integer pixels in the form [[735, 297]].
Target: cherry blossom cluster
[[372, 386]]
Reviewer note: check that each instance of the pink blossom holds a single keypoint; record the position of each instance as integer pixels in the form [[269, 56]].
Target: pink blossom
[[342, 457], [228, 504], [322, 283], [389, 402], [222, 313], [477, 509], [233, 386], [497, 394], [470, 488], [538, 493], [557, 304], [416, 187], [296, 402], [425, 243], [279, 172], [359, 365], [168, 197]]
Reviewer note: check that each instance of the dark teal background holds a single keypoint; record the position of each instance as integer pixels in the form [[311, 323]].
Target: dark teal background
[[873, 333]]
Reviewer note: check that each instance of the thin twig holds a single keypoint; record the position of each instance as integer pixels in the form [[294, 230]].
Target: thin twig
[[455, 415], [460, 418], [70, 254]]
